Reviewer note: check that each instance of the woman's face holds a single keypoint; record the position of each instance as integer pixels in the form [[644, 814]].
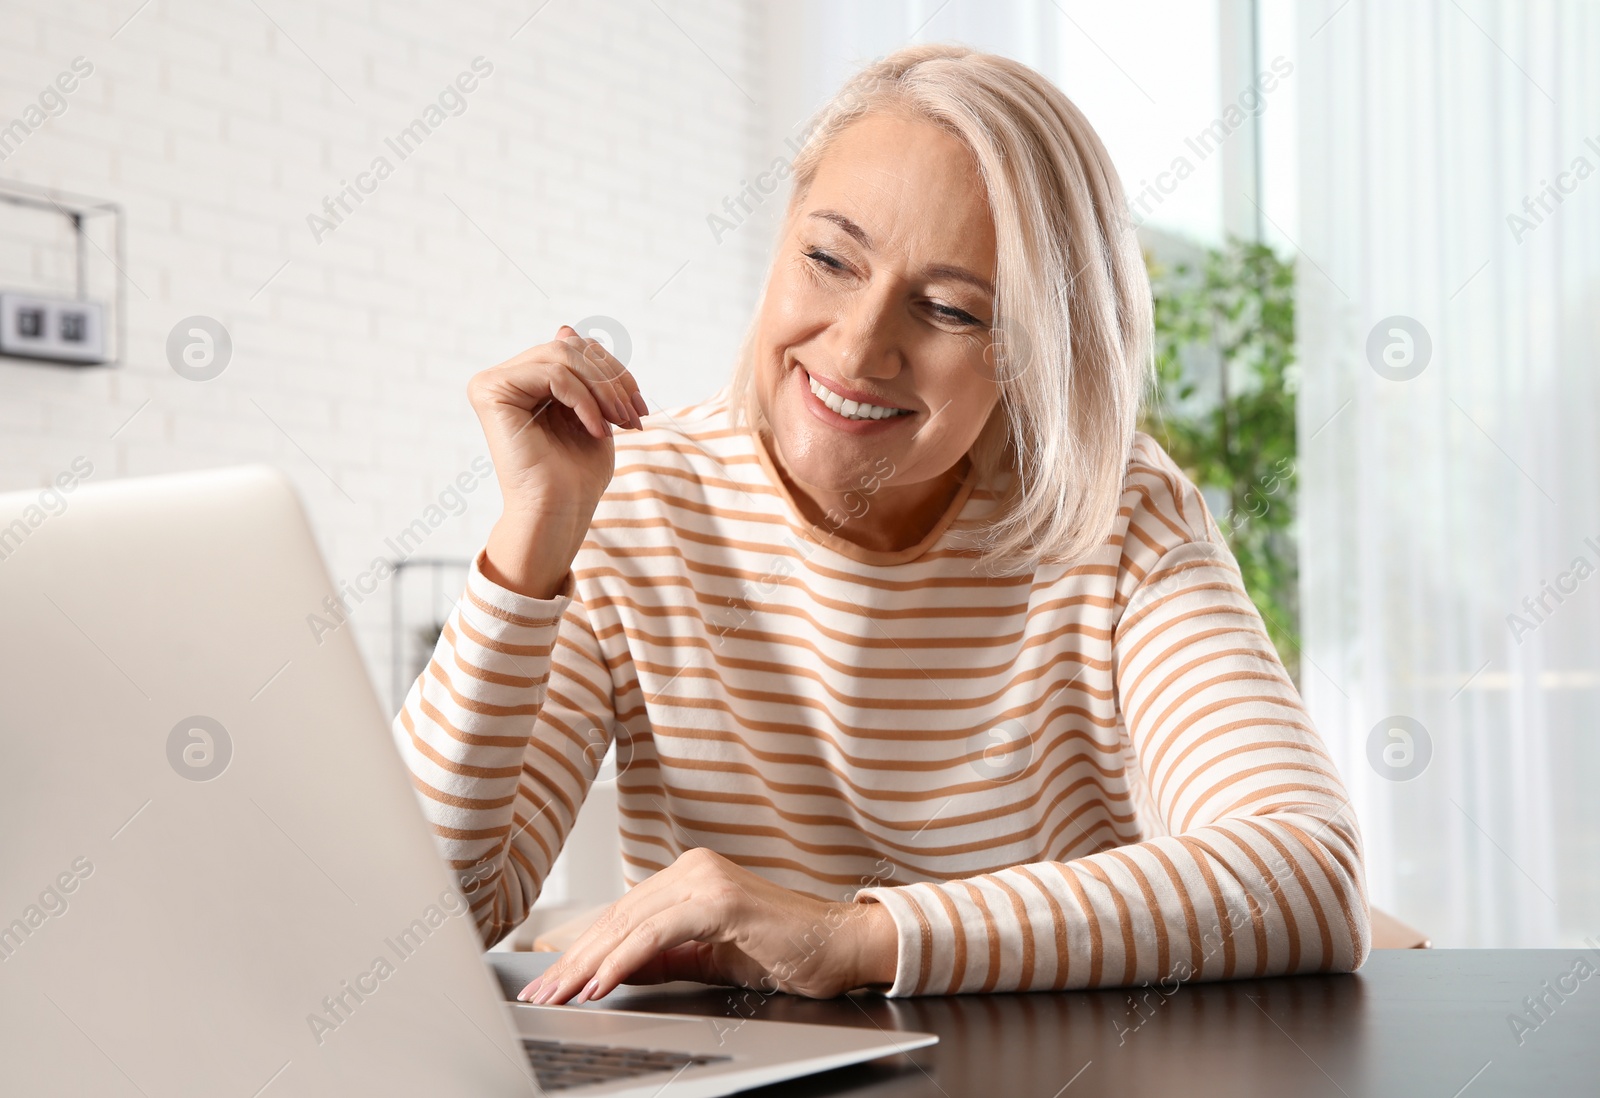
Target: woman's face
[[882, 293]]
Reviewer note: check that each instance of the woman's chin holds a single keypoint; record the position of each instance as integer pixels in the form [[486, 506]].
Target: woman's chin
[[823, 459]]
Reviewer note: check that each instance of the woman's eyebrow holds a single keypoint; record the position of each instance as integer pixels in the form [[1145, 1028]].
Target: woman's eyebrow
[[847, 225], [940, 270], [961, 274]]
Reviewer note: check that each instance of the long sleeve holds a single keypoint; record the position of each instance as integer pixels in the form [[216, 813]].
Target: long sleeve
[[1260, 870], [503, 732]]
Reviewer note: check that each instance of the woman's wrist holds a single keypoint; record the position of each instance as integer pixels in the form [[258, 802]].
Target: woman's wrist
[[877, 946], [518, 557]]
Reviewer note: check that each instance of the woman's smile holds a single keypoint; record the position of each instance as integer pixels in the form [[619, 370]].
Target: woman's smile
[[846, 409]]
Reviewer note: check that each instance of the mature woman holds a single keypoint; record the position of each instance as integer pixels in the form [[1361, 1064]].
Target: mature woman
[[927, 672]]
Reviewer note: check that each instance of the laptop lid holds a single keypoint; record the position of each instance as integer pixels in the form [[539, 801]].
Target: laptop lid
[[213, 878]]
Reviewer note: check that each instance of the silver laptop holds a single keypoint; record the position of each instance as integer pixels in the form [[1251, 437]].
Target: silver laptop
[[214, 876]]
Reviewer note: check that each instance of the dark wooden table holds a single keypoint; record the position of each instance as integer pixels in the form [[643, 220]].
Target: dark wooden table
[[1411, 1023]]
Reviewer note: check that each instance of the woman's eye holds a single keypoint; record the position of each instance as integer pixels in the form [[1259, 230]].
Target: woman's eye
[[826, 260], [960, 316]]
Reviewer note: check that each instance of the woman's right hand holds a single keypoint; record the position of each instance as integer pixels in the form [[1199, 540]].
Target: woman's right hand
[[547, 416]]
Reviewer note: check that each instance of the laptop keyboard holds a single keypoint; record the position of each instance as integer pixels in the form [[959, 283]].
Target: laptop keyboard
[[562, 1065]]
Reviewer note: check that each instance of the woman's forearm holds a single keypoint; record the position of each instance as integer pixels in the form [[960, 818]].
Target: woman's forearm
[[1267, 895], [467, 729]]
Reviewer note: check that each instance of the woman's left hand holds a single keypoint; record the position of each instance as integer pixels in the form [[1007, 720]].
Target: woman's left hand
[[704, 918]]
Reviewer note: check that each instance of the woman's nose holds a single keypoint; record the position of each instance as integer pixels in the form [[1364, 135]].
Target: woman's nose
[[869, 339]]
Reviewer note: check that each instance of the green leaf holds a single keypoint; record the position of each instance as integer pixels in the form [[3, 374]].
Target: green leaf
[[1224, 408]]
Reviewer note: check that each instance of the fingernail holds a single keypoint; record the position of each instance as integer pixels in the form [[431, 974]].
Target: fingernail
[[640, 405], [544, 993], [532, 989], [588, 990]]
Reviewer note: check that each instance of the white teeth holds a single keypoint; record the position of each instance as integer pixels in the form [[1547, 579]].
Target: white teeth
[[851, 409]]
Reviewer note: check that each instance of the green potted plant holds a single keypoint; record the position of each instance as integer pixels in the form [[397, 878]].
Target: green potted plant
[[1224, 408]]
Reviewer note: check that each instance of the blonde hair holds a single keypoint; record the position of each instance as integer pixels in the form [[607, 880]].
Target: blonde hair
[[1072, 334]]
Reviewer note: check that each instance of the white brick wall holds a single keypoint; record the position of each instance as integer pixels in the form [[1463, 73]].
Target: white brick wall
[[591, 156]]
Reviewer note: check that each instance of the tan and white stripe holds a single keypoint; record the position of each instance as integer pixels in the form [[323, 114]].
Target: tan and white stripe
[[1079, 777]]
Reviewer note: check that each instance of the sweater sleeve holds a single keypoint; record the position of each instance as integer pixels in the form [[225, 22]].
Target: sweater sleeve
[[503, 732], [1260, 870]]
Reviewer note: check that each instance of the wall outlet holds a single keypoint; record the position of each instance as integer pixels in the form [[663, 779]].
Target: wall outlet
[[56, 329]]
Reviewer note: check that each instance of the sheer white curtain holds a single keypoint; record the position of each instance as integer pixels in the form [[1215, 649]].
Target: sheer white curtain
[[1449, 199]]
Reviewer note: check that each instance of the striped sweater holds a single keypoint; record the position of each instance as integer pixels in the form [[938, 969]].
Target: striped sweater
[[1081, 776]]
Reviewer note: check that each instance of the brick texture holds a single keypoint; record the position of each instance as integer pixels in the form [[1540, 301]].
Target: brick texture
[[575, 180]]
